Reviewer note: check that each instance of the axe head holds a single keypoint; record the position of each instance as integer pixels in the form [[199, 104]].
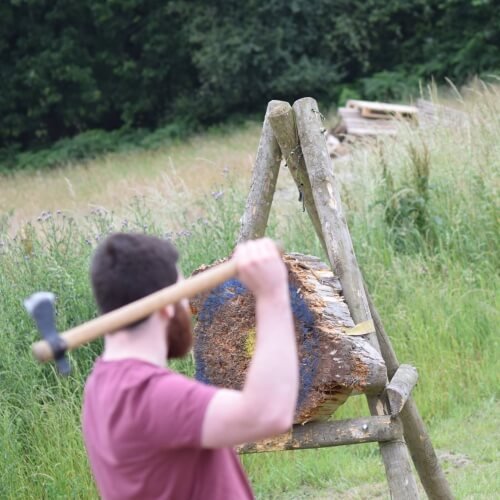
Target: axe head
[[41, 308]]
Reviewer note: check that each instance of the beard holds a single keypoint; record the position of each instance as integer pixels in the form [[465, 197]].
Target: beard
[[179, 333]]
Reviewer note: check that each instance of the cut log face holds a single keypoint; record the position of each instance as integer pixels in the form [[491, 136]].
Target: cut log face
[[333, 365]]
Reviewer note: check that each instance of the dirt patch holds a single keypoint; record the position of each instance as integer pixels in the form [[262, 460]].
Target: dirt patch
[[369, 491], [453, 459]]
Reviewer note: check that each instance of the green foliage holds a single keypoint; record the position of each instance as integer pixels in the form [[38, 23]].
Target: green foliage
[[73, 67], [348, 92], [389, 86], [407, 208], [69, 67]]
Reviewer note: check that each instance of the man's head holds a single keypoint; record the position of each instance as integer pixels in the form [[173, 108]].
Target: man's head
[[127, 267]]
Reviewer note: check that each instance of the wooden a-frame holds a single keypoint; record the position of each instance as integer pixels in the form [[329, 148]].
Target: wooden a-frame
[[295, 134]]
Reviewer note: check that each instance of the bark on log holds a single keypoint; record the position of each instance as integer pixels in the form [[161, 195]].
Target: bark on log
[[336, 433], [264, 177], [282, 120], [399, 388], [333, 365], [328, 205], [415, 432], [341, 254]]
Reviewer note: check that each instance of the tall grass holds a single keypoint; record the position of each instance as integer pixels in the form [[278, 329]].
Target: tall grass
[[423, 214]]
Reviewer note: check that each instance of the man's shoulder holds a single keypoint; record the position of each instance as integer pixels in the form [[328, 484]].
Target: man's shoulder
[[132, 372], [153, 404]]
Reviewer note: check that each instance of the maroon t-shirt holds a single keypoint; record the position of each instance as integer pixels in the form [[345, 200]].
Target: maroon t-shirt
[[142, 430]]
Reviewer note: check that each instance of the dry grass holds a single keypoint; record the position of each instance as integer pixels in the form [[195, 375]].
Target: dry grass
[[182, 171]]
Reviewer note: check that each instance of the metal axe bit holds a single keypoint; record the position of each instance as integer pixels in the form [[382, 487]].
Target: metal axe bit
[[41, 308]]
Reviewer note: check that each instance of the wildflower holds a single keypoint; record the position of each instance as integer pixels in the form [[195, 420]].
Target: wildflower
[[44, 216], [217, 195]]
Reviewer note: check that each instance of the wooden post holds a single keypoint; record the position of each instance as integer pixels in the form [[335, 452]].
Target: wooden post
[[343, 260], [264, 177], [282, 120], [399, 388], [419, 442], [336, 433]]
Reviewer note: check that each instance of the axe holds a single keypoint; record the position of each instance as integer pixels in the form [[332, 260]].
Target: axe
[[54, 346]]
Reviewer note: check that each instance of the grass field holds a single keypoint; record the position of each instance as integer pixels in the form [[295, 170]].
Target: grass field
[[423, 213]]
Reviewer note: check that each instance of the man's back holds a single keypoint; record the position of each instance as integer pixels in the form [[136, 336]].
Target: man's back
[[142, 427]]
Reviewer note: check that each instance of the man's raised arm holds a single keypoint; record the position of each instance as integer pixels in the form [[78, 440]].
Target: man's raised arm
[[266, 405]]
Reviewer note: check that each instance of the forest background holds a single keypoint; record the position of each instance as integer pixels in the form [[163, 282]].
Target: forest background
[[110, 71]]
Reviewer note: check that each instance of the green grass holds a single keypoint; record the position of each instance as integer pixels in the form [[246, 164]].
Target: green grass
[[437, 294], [466, 442]]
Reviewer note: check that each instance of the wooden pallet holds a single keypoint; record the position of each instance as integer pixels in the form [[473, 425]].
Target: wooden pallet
[[357, 125], [382, 110]]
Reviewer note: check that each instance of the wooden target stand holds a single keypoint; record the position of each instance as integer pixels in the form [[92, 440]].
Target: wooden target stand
[[295, 134]]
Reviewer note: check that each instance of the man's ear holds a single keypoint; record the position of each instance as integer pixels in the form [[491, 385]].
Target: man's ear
[[167, 312]]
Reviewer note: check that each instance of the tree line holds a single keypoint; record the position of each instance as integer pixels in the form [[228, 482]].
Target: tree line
[[68, 67]]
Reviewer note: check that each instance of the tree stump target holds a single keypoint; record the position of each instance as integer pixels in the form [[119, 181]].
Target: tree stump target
[[333, 364]]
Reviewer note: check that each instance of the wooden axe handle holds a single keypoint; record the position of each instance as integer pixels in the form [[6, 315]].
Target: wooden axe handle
[[139, 309]]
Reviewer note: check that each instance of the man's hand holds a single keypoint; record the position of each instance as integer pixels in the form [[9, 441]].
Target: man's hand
[[261, 268]]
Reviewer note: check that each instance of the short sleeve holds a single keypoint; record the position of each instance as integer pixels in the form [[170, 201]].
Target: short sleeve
[[176, 408]]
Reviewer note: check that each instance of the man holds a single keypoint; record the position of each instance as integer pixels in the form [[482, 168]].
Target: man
[[151, 433]]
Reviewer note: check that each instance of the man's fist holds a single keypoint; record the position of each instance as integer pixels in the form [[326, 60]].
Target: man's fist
[[261, 268]]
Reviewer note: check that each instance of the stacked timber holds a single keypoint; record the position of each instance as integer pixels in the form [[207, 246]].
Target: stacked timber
[[361, 118], [382, 110], [333, 362]]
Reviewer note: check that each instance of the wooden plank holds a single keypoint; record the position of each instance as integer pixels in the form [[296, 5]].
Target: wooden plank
[[383, 115], [382, 108], [335, 433], [264, 177], [399, 388], [343, 260], [378, 125], [357, 125], [371, 131]]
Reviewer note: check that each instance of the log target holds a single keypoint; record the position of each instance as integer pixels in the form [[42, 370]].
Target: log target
[[333, 365]]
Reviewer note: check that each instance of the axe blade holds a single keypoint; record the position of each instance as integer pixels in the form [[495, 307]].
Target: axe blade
[[40, 306]]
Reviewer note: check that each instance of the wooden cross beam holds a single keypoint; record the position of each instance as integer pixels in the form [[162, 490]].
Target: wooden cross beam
[[335, 433]]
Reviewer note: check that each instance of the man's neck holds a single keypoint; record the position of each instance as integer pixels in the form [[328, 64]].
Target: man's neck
[[146, 343]]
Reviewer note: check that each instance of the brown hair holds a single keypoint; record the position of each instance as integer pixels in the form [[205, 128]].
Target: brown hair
[[129, 266]]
